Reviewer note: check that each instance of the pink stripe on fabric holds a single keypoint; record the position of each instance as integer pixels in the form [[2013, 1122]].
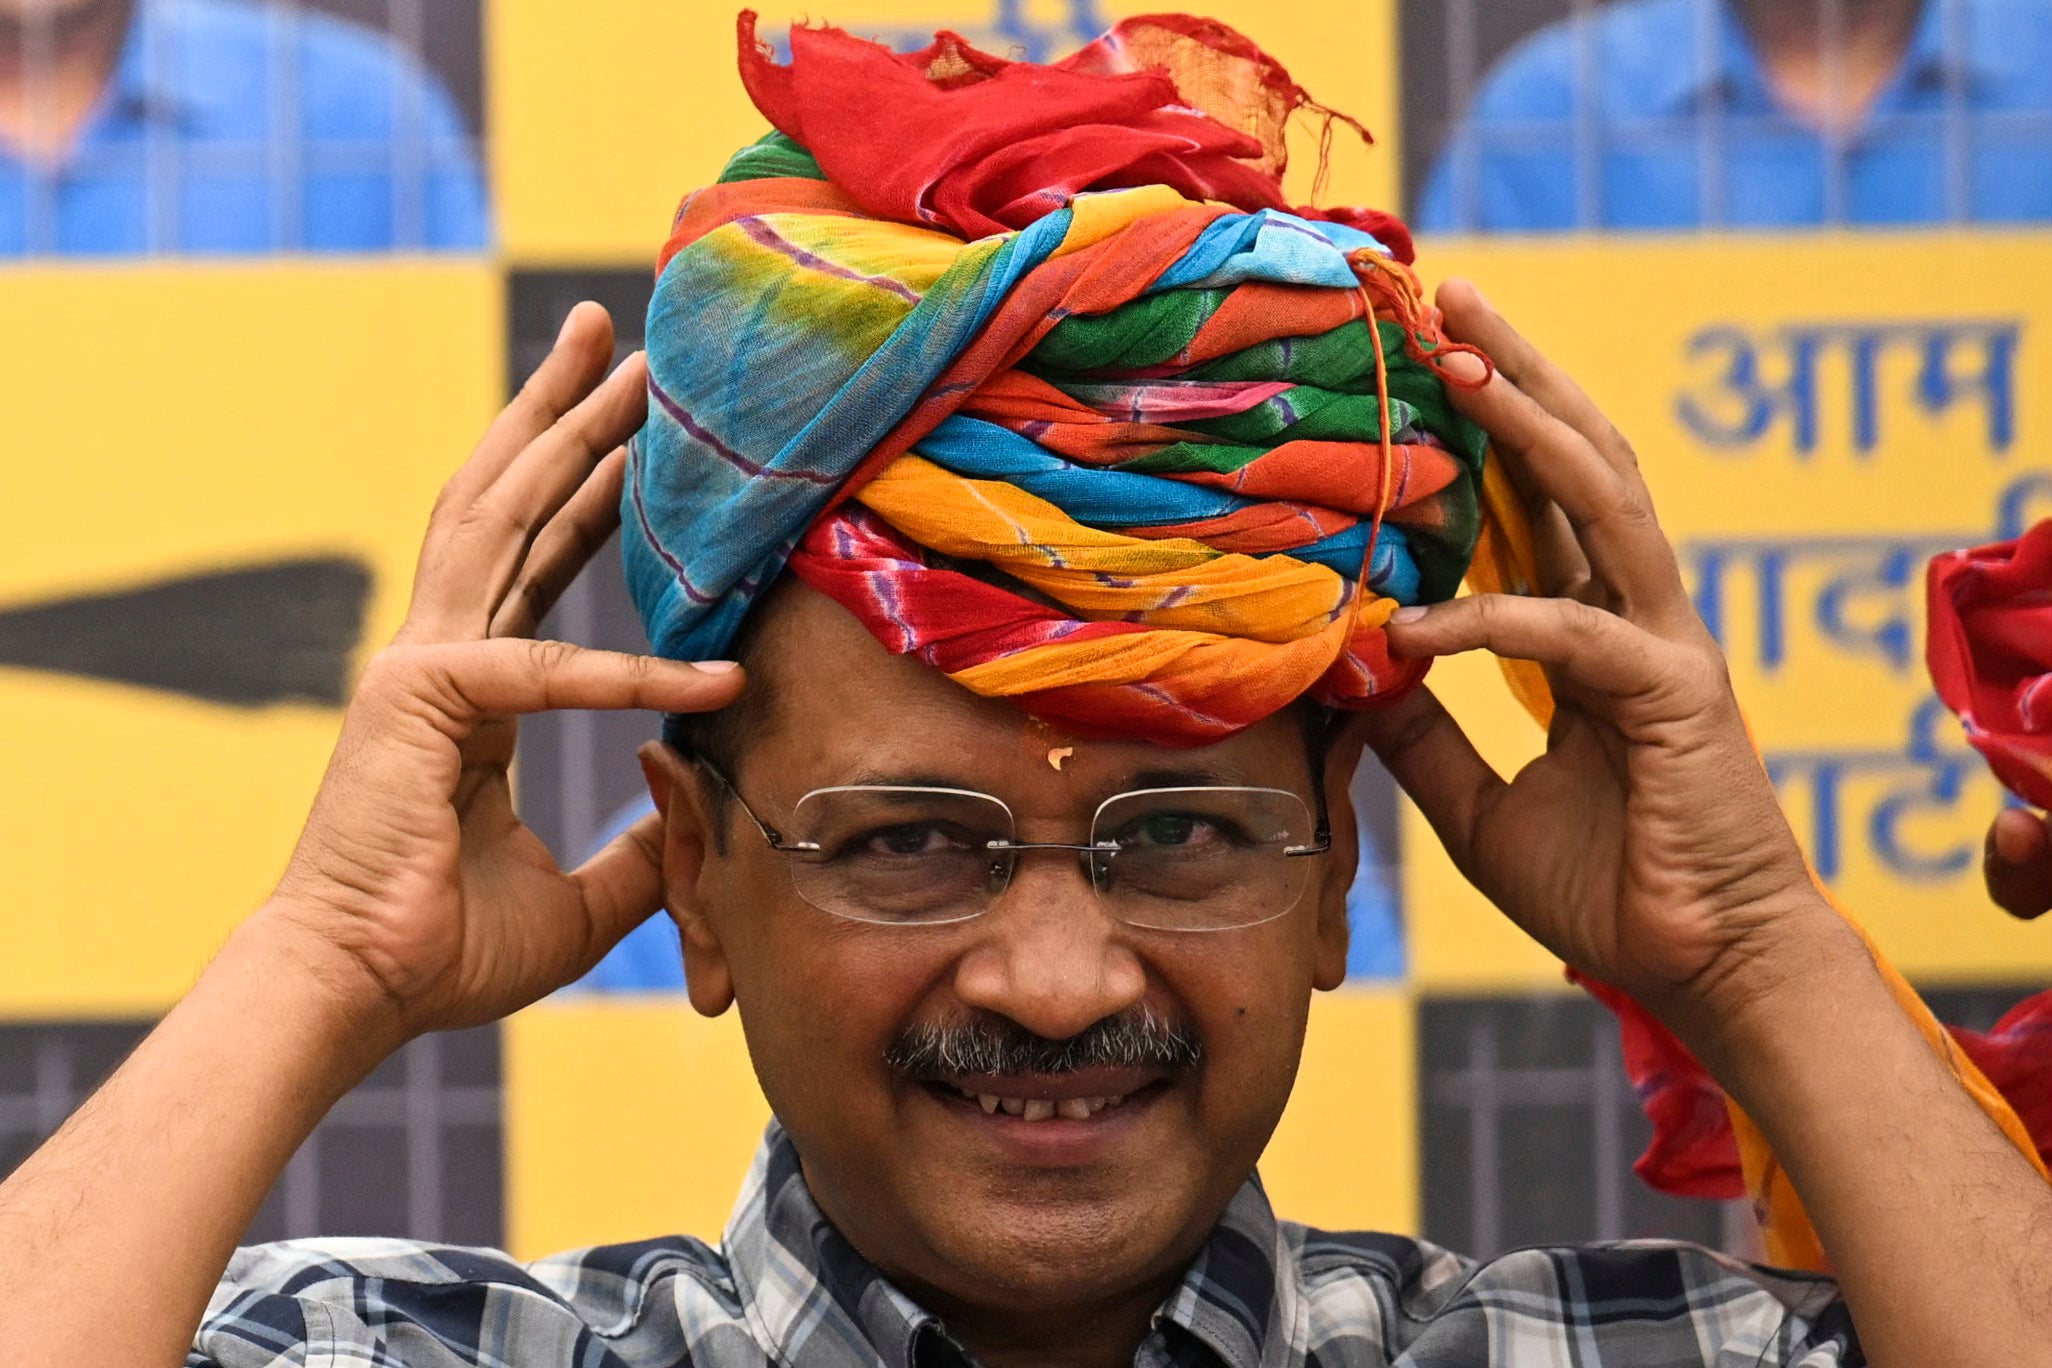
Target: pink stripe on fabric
[[764, 235], [727, 453], [1189, 400]]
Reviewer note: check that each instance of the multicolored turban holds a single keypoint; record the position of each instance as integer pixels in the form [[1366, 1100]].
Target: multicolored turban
[[1031, 369]]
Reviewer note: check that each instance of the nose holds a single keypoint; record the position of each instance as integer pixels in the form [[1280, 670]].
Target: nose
[[1050, 957]]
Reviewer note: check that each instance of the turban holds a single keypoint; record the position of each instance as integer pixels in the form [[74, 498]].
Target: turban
[[1032, 369]]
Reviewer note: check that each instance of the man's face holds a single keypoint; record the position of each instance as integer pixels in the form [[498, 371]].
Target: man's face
[[965, 1207]]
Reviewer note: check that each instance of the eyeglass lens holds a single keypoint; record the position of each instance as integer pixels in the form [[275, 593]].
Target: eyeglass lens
[[1172, 859]]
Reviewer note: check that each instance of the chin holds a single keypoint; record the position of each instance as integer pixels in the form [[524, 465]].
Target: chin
[[1039, 1250]]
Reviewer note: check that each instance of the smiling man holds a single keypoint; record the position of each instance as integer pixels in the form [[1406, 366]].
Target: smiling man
[[1033, 1078], [1061, 542]]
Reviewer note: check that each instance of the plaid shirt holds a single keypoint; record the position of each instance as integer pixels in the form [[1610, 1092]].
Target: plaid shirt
[[785, 1288]]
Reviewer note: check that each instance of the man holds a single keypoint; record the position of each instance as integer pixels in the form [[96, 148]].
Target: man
[[1026, 1001], [132, 126], [1666, 114]]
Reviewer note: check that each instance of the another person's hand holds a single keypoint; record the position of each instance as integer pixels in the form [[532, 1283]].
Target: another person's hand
[[2017, 863], [415, 891], [1645, 847]]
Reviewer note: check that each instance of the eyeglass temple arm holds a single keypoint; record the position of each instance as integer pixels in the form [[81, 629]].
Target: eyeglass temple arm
[[769, 833]]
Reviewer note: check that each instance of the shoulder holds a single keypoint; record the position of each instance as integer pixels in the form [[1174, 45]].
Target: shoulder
[[213, 27], [339, 62], [367, 1294], [349, 70], [205, 41], [1634, 1301], [1620, 46], [612, 1285], [1342, 1273], [2012, 41]]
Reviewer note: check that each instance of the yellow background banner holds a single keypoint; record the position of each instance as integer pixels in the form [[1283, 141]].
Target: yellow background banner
[[168, 421]]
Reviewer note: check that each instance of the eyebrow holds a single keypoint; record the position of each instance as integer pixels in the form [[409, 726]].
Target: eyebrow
[[1190, 776], [877, 778], [1186, 776]]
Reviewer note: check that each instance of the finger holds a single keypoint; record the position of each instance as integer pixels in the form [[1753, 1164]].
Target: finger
[[574, 366], [1434, 762], [486, 547], [1580, 644], [472, 680], [2018, 863], [622, 886], [1612, 519], [563, 549], [1470, 319]]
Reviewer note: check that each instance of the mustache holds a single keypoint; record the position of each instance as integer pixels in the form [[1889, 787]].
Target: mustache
[[987, 1043]]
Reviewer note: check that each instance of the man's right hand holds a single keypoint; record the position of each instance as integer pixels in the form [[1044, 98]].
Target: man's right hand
[[416, 894], [416, 900], [2017, 863]]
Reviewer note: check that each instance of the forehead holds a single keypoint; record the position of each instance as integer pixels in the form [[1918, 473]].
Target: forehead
[[842, 709]]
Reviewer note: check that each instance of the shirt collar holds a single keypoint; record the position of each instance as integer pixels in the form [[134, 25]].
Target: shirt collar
[[1944, 45], [1239, 1298], [800, 1280], [1951, 43]]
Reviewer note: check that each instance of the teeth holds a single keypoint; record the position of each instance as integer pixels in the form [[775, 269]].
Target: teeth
[[1042, 1109]]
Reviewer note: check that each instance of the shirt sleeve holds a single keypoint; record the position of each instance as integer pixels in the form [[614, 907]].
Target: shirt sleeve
[[385, 1304], [1658, 1302]]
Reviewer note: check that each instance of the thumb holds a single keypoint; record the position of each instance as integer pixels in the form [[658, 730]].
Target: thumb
[[1433, 761], [622, 885], [2017, 863]]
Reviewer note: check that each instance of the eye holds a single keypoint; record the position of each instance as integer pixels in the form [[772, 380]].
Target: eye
[[1166, 829], [909, 839]]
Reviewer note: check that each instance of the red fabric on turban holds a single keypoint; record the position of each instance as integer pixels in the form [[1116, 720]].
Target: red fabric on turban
[[953, 138]]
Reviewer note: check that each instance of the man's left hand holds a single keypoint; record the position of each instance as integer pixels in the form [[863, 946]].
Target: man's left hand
[[1645, 846]]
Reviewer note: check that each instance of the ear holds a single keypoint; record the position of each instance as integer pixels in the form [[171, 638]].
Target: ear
[[1342, 757], [687, 832]]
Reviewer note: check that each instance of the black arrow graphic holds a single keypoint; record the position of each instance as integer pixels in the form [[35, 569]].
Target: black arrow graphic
[[246, 636]]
